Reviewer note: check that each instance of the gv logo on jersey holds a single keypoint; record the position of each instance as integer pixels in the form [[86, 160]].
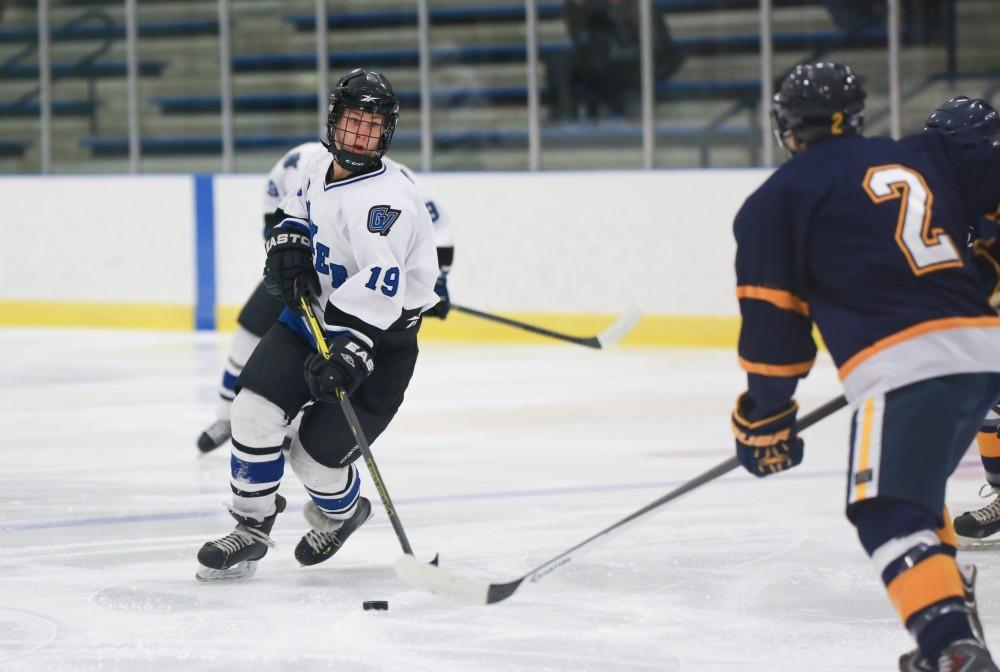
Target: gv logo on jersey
[[381, 218]]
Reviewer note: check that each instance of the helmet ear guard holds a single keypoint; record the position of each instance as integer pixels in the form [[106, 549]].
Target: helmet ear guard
[[367, 91], [815, 102]]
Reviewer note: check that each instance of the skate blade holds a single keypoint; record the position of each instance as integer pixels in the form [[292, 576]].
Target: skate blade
[[241, 570], [973, 544]]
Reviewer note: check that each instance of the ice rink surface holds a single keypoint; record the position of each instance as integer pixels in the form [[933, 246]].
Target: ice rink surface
[[500, 458]]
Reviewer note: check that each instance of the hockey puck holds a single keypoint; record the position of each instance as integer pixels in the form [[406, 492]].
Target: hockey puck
[[377, 605]]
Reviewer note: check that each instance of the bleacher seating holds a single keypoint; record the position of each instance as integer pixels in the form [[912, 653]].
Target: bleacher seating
[[613, 136], [93, 69], [464, 97], [60, 108], [479, 90], [148, 29]]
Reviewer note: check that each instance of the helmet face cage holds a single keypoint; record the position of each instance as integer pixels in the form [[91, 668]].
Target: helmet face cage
[[968, 120], [816, 102], [368, 92]]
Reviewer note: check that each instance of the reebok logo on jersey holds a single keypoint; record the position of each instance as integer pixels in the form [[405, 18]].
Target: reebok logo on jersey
[[381, 218]]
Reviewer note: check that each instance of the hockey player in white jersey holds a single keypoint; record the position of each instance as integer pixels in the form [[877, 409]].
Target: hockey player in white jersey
[[262, 309], [357, 241]]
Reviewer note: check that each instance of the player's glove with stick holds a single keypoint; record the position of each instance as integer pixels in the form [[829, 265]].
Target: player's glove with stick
[[768, 445], [441, 308], [289, 258], [350, 363]]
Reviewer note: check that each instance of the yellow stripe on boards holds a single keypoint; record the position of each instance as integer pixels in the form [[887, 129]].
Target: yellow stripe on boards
[[169, 317], [688, 331], [652, 330]]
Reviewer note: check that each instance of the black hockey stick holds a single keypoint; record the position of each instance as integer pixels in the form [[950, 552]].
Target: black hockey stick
[[470, 591], [359, 435], [605, 339]]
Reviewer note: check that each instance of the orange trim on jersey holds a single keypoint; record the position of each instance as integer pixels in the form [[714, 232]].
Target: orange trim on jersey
[[779, 370], [947, 533], [779, 297], [924, 584], [865, 448], [989, 444], [912, 332], [995, 216]]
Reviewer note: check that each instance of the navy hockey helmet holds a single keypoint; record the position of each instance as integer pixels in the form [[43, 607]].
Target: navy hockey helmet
[[367, 91], [968, 120], [817, 101]]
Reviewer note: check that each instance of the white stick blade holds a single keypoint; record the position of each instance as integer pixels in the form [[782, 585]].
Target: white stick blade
[[433, 579], [619, 329]]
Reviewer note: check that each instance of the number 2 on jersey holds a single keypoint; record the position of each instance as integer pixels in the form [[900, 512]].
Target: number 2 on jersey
[[390, 281], [926, 249]]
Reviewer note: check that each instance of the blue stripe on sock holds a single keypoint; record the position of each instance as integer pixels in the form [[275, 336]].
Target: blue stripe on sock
[[257, 472], [229, 381], [339, 503]]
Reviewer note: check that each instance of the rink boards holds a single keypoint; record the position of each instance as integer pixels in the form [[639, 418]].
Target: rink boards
[[565, 249]]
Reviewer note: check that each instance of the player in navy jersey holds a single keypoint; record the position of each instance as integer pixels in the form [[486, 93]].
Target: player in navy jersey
[[974, 121], [865, 238], [261, 309], [356, 241]]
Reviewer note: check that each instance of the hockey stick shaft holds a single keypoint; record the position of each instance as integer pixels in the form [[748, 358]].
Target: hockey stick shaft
[[358, 432], [715, 472], [475, 592], [586, 341]]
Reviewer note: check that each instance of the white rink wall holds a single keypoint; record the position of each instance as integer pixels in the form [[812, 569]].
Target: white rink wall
[[553, 242]]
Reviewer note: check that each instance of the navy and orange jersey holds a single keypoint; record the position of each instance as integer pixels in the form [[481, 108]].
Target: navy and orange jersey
[[866, 238]]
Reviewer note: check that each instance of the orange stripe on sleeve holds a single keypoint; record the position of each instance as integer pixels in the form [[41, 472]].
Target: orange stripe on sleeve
[[777, 370], [913, 332], [778, 297], [989, 444], [928, 582]]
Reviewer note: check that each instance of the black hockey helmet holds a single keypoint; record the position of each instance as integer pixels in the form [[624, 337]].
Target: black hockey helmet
[[368, 91], [817, 101], [968, 120]]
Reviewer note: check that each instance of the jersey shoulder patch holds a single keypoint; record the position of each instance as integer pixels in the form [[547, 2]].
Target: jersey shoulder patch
[[381, 218], [292, 161], [272, 189]]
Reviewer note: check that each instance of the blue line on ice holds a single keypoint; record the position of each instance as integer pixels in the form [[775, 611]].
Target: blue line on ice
[[436, 499]]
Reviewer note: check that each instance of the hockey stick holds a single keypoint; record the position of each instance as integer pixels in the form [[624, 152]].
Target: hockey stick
[[605, 339], [470, 591], [359, 435]]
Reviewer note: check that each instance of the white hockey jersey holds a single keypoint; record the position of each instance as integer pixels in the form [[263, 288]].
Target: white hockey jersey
[[289, 172], [374, 248]]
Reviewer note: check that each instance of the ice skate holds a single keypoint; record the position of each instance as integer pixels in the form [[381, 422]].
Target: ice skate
[[235, 555], [973, 527], [965, 655], [328, 535], [215, 435], [915, 662]]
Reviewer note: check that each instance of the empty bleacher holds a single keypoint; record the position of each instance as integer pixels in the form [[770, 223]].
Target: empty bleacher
[[705, 114]]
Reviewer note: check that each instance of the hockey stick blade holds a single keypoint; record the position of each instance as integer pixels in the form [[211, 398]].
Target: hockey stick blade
[[620, 328], [468, 591], [433, 579]]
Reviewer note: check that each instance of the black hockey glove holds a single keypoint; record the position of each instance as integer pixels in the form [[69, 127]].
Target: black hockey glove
[[768, 445], [350, 363], [441, 308], [289, 257]]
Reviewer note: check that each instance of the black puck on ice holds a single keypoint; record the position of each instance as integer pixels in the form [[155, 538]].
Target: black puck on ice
[[377, 605]]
